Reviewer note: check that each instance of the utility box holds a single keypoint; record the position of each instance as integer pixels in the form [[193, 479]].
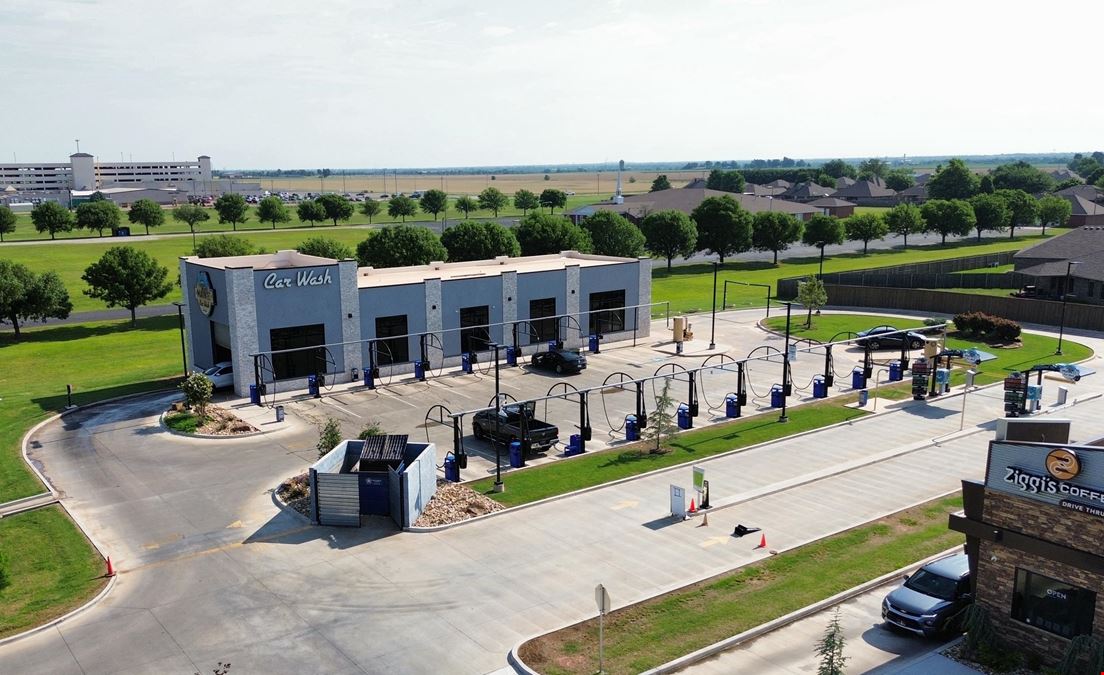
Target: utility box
[[678, 329], [931, 347]]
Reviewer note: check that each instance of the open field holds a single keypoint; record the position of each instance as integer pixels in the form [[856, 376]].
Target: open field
[[655, 631]]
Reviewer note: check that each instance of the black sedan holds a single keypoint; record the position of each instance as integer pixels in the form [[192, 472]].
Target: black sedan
[[560, 360], [886, 337]]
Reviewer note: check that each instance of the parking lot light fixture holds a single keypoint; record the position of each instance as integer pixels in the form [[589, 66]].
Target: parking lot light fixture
[[713, 328], [498, 486], [1065, 296], [183, 351]]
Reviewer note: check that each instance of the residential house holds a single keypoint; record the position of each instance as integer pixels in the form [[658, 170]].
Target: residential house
[[1085, 212], [1049, 260], [917, 194], [867, 193], [807, 191], [833, 206], [636, 207]]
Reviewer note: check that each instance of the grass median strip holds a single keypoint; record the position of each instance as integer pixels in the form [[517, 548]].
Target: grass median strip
[[656, 631], [601, 467]]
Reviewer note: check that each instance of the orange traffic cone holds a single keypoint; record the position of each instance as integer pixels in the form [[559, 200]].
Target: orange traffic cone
[[110, 567], [693, 509], [762, 541]]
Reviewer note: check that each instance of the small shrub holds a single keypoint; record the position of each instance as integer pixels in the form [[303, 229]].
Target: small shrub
[[198, 390], [328, 436], [932, 321], [998, 658], [371, 428]]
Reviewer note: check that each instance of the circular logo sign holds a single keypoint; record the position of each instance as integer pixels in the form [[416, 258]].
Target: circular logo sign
[[205, 293], [1063, 464]]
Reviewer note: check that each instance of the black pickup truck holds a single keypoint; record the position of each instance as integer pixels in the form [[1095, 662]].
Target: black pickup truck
[[516, 422]]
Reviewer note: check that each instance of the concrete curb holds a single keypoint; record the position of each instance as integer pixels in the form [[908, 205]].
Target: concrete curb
[[17, 503], [519, 665], [27, 504], [227, 437], [284, 507]]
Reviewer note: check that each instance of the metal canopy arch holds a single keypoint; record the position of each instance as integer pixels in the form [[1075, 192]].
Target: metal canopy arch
[[708, 368], [325, 358], [563, 324], [427, 341], [439, 420], [619, 385], [770, 353]]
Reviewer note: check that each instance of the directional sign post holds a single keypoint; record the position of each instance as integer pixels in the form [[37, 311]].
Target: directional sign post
[[602, 599]]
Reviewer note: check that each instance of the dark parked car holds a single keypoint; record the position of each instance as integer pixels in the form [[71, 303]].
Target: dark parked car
[[878, 338], [933, 601], [560, 360]]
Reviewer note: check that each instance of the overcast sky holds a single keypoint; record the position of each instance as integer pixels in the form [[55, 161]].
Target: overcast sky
[[373, 83]]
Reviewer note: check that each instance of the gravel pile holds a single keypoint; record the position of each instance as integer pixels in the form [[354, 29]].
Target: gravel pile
[[453, 503]]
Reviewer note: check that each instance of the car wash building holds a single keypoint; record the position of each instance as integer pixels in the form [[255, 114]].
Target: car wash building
[[1033, 535], [280, 318]]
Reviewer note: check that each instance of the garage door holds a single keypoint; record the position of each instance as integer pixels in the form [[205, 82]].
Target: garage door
[[220, 334]]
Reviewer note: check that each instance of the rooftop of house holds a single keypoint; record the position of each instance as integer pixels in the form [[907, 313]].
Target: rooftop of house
[[809, 189], [1051, 258], [830, 202], [864, 188]]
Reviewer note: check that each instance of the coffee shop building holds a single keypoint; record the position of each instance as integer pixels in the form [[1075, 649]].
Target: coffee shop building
[[1035, 539], [281, 317]]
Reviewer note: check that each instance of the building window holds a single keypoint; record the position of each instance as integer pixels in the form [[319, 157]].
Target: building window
[[397, 349], [301, 362], [543, 329], [1052, 605], [474, 333], [607, 312]]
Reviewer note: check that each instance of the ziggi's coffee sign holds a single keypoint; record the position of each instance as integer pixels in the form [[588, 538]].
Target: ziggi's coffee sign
[[299, 279], [1046, 473]]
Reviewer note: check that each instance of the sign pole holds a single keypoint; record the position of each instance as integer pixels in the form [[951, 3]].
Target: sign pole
[[602, 599]]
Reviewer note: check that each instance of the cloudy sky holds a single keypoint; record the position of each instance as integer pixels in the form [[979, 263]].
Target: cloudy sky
[[375, 83]]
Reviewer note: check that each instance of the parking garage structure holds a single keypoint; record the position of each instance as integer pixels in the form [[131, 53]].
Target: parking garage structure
[[283, 317]]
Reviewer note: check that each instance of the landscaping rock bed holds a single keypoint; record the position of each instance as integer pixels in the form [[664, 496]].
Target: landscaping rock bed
[[455, 503], [295, 494], [215, 421]]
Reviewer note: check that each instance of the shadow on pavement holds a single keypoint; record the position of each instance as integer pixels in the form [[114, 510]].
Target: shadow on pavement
[[285, 528]]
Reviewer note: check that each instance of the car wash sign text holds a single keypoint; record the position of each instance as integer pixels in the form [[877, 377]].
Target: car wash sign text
[[299, 279]]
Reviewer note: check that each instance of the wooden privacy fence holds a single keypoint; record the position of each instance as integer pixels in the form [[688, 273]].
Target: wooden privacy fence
[[1024, 310]]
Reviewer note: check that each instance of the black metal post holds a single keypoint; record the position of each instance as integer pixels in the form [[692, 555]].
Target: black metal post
[[183, 351], [1065, 296], [498, 486], [786, 364], [713, 328]]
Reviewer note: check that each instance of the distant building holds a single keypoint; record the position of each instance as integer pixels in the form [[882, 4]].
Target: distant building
[[1087, 192], [1084, 212], [833, 206], [762, 190], [1063, 174], [83, 172], [917, 194], [867, 193], [844, 181], [636, 207], [807, 191], [1048, 262]]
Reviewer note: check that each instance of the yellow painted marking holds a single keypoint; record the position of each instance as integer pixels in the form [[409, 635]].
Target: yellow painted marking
[[713, 541], [626, 504]]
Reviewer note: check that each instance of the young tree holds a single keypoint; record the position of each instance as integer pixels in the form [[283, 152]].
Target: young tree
[[551, 199], [948, 216], [873, 168], [126, 277], [325, 247], [435, 201], [400, 246], [903, 220], [7, 221], [232, 208], [26, 296], [775, 231], [541, 233], [526, 201], [272, 210], [224, 246], [1054, 210], [813, 295], [310, 211], [329, 436], [612, 234], [371, 208], [468, 205], [198, 391], [1023, 208], [51, 217], [492, 199], [336, 207], [954, 181], [479, 241], [837, 168], [147, 213], [990, 213], [830, 648], [98, 216], [191, 215], [660, 183], [668, 234], [661, 423], [899, 179], [402, 206], [821, 231], [724, 228], [865, 227]]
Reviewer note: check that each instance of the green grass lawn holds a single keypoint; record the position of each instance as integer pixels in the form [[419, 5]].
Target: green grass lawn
[[871, 209], [182, 422], [605, 466], [1036, 349], [53, 568], [645, 635]]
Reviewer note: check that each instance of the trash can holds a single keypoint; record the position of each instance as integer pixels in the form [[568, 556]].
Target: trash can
[[864, 396], [279, 413], [820, 387], [685, 421], [895, 372], [419, 370], [452, 470], [354, 374], [553, 345], [254, 395], [593, 344], [511, 356], [776, 397], [517, 458], [312, 385], [465, 362], [632, 432], [858, 378], [732, 405]]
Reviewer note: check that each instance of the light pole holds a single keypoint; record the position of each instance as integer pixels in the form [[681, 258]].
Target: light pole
[[183, 352], [498, 486], [1065, 296], [713, 328], [786, 365]]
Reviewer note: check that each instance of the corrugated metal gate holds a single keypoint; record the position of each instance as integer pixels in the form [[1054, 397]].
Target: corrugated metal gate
[[337, 498]]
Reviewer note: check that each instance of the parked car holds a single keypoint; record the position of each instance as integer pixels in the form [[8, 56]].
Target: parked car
[[877, 338], [560, 360], [1026, 292], [516, 422], [221, 374], [933, 601]]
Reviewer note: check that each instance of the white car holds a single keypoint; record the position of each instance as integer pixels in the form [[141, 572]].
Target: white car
[[221, 374]]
